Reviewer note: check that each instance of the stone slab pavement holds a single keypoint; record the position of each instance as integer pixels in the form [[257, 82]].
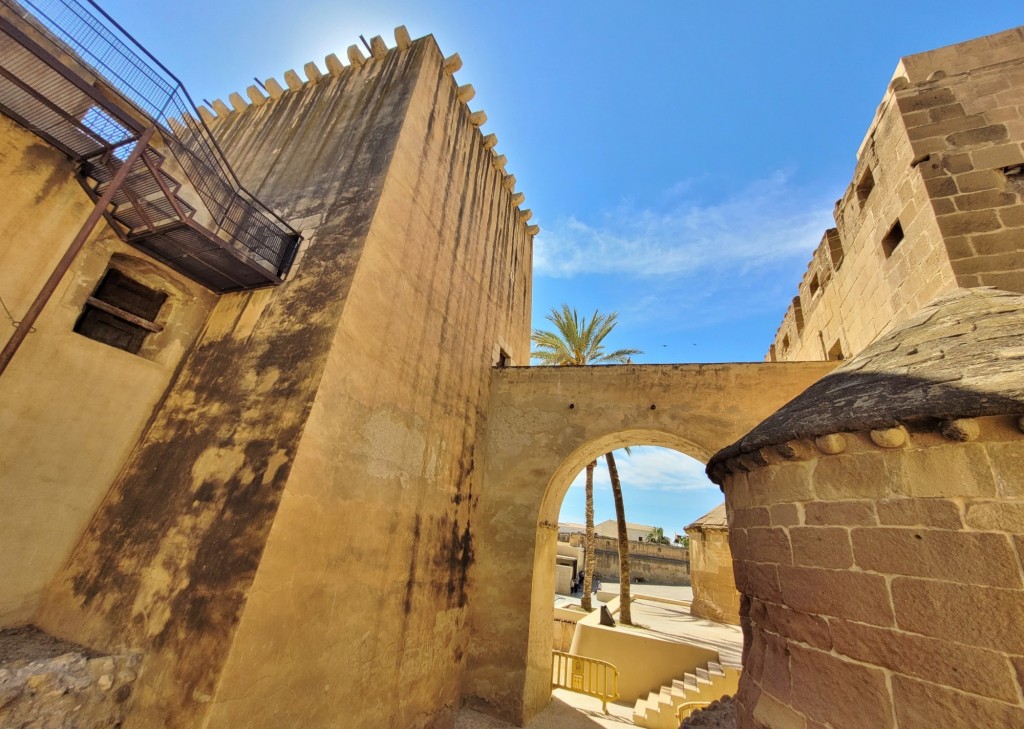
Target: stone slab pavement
[[567, 710]]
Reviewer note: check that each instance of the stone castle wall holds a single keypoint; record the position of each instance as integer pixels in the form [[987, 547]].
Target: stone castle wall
[[240, 542], [936, 201], [660, 564]]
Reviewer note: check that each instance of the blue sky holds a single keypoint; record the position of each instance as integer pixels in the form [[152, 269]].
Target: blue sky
[[681, 158]]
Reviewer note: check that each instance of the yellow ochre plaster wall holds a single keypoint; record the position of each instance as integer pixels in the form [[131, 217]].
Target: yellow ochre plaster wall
[[71, 408], [379, 507]]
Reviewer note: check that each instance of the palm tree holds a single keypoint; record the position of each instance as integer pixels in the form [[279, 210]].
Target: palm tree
[[625, 614], [577, 342], [657, 536], [589, 558]]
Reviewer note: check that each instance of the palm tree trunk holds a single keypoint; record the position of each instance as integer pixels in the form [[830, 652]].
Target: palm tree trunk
[[620, 516], [589, 558]]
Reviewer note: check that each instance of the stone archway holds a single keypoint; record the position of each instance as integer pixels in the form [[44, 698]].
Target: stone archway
[[544, 424]]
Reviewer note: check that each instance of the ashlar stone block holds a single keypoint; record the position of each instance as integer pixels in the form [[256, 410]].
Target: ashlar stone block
[[837, 593], [921, 705], [839, 693], [977, 670], [967, 614]]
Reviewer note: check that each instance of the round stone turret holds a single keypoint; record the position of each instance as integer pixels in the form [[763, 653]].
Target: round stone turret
[[877, 528]]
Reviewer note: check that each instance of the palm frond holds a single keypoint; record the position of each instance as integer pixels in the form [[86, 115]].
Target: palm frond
[[576, 340]]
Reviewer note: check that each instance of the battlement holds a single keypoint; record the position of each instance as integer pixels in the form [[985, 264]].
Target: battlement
[[935, 201], [272, 90]]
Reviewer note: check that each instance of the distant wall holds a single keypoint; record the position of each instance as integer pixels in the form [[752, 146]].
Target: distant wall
[[660, 564], [714, 586]]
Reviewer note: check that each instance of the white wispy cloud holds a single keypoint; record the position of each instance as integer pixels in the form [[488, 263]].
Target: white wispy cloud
[[767, 221], [652, 469]]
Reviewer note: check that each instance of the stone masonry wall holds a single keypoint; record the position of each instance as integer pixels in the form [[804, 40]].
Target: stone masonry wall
[[47, 683], [714, 586], [660, 564], [936, 201], [881, 578]]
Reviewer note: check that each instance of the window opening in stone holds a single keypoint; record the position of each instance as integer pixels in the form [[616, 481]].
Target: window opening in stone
[[892, 239], [503, 359], [121, 312], [835, 352], [865, 186], [785, 343], [815, 285], [835, 248]]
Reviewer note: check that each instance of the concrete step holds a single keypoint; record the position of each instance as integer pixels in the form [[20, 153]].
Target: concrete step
[[640, 713]]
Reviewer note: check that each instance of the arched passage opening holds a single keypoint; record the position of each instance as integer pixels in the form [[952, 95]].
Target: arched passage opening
[[544, 425], [544, 590]]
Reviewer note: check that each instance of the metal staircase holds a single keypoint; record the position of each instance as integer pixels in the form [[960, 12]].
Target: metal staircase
[[70, 74]]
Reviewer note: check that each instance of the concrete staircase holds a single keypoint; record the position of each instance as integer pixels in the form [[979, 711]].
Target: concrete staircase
[[659, 709]]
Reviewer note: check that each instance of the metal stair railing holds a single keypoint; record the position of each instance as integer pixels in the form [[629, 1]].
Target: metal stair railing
[[583, 675], [100, 44]]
